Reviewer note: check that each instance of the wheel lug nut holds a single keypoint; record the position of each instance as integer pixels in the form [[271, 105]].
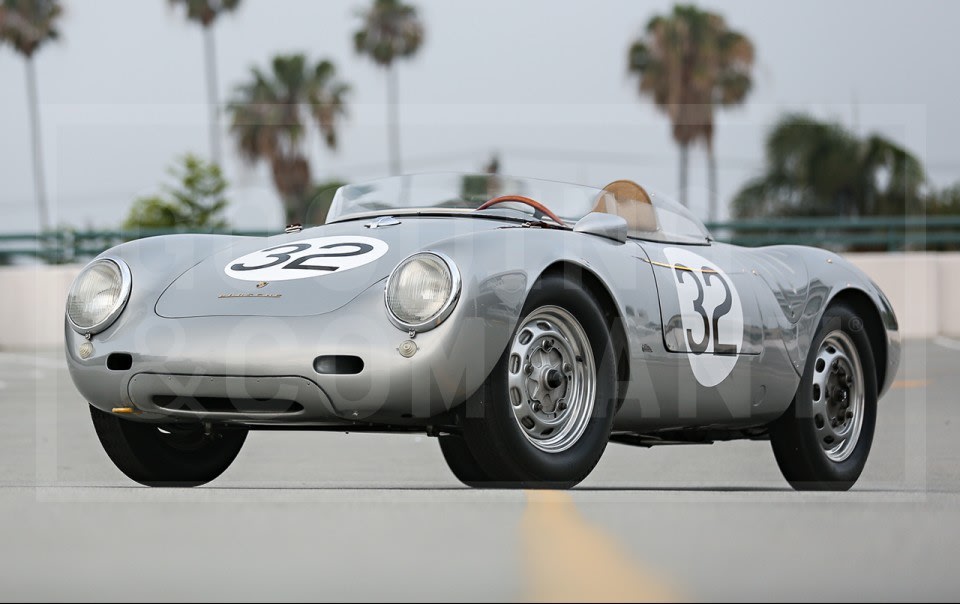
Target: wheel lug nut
[[567, 368], [849, 414], [537, 406], [547, 345], [528, 369], [562, 405]]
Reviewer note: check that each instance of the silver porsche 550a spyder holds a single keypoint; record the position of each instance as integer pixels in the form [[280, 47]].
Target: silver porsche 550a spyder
[[525, 323]]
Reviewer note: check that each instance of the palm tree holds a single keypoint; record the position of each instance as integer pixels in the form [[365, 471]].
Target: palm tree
[[819, 168], [205, 12], [269, 115], [27, 25], [690, 62], [390, 30], [327, 97]]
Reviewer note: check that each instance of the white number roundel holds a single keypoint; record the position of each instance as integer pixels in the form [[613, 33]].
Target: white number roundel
[[306, 258], [710, 313]]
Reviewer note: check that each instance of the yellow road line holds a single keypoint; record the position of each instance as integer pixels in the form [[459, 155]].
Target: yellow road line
[[904, 384], [567, 559]]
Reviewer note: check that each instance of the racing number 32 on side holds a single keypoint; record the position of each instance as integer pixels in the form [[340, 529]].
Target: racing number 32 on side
[[711, 313]]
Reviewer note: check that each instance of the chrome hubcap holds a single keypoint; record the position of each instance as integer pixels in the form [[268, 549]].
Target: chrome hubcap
[[838, 396], [552, 379]]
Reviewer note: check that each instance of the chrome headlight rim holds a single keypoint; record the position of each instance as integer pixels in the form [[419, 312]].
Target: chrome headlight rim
[[441, 315], [126, 285]]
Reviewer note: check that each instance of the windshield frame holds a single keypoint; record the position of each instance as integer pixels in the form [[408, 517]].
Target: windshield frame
[[689, 230], [509, 214]]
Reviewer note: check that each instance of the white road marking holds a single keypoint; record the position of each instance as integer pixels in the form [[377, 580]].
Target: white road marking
[[947, 343]]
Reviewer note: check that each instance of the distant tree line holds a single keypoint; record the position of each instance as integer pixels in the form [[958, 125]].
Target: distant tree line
[[821, 168], [688, 61], [270, 113]]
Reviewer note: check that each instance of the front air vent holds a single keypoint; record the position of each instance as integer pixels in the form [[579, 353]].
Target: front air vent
[[119, 361], [341, 364]]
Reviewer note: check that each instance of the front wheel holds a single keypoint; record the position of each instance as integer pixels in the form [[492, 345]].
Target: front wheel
[[166, 455], [822, 441], [462, 462], [544, 415]]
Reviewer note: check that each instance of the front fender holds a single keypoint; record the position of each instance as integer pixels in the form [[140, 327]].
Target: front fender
[[155, 262], [500, 267], [831, 276]]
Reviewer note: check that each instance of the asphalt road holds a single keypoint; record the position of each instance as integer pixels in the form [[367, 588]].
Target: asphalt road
[[311, 516]]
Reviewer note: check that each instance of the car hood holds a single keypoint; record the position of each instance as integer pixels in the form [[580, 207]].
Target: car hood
[[311, 272]]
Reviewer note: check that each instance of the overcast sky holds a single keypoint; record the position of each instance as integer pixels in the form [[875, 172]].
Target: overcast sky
[[542, 82]]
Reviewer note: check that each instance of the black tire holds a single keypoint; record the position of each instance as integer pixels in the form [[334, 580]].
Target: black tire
[[185, 457], [492, 432], [794, 436], [462, 462]]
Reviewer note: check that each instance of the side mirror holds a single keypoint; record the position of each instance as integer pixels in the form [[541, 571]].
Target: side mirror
[[601, 224]]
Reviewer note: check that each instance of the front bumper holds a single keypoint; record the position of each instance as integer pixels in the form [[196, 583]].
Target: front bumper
[[260, 370]]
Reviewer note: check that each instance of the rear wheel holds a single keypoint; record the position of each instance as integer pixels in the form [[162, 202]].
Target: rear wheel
[[544, 415], [166, 455], [822, 441]]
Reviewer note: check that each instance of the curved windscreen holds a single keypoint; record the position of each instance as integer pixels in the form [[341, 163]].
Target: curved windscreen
[[652, 217], [675, 223], [459, 193]]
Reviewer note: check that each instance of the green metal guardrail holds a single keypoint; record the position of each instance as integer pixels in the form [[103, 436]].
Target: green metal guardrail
[[71, 246], [874, 233]]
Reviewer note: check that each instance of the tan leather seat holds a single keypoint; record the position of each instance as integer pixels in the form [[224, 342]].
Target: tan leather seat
[[629, 200]]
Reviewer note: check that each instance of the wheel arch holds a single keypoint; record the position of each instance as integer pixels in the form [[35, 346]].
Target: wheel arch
[[595, 285], [861, 303]]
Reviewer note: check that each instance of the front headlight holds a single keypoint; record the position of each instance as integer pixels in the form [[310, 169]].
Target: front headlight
[[422, 291], [98, 295]]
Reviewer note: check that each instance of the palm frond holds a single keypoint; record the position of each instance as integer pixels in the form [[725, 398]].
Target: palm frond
[[29, 24], [688, 62], [269, 115], [205, 12], [390, 30], [819, 168]]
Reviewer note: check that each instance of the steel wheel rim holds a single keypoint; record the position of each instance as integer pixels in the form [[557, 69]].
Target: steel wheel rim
[[838, 396], [551, 379]]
